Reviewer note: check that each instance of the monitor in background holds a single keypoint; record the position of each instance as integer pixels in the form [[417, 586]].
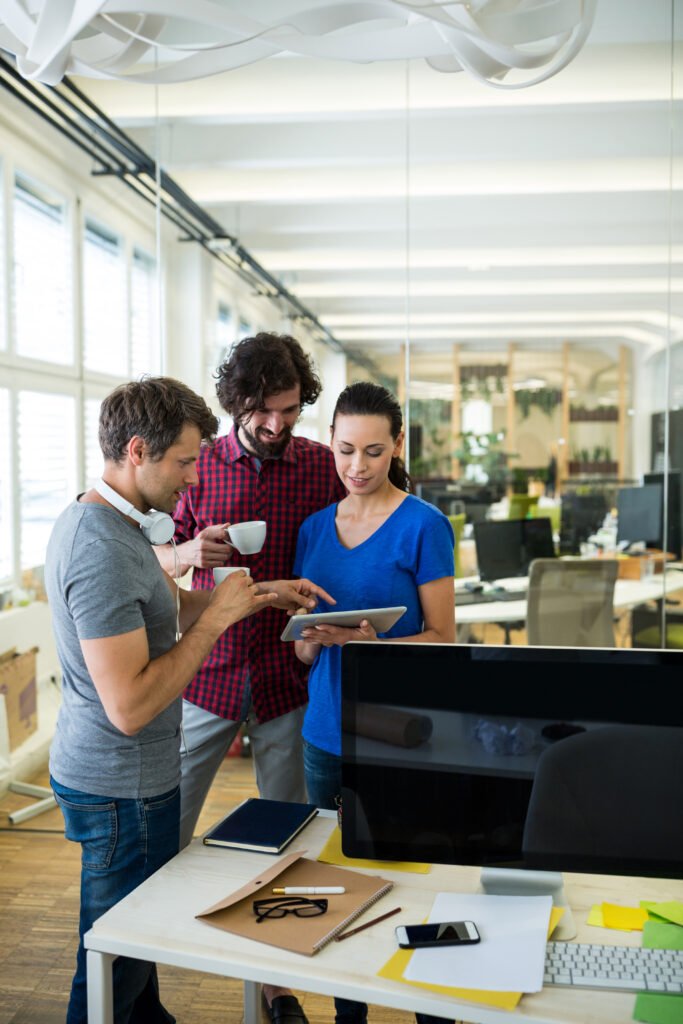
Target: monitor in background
[[506, 547], [674, 507], [581, 516], [470, 754], [639, 515]]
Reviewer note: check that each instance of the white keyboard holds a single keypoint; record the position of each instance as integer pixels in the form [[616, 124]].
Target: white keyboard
[[629, 968]]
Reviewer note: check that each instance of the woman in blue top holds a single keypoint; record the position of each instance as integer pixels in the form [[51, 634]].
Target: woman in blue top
[[380, 546]]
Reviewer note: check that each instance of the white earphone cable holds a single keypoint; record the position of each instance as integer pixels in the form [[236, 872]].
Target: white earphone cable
[[176, 575]]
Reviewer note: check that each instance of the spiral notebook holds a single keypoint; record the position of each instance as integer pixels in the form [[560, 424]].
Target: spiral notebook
[[299, 934]]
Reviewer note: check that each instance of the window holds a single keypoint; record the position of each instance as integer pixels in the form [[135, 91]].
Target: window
[[105, 329], [42, 275], [6, 566], [224, 334], [144, 319], [94, 463], [47, 467]]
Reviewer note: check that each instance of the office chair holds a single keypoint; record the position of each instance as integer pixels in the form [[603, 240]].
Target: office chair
[[601, 790], [458, 524], [646, 626], [521, 505], [570, 603], [551, 512]]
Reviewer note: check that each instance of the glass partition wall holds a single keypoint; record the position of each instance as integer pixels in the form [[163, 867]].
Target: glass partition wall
[[508, 262]]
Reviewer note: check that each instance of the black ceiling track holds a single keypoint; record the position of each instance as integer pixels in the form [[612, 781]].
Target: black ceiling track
[[116, 154]]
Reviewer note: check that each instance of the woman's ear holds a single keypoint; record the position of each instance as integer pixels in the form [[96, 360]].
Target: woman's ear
[[398, 444]]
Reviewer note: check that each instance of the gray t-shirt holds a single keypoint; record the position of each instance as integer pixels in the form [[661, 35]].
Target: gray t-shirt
[[103, 579]]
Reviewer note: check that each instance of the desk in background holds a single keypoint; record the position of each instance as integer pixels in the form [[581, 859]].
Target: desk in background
[[627, 594], [157, 922]]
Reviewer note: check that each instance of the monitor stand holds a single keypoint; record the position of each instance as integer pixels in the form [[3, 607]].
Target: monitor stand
[[520, 882]]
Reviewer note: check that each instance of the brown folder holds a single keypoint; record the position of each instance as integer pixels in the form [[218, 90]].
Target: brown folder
[[299, 934]]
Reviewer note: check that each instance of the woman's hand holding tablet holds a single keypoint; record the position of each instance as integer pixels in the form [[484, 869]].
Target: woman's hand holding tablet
[[381, 619]]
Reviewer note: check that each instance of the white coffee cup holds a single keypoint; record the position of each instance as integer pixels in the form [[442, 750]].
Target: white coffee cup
[[248, 538], [222, 571]]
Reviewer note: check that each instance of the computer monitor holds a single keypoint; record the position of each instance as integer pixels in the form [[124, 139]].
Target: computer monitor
[[513, 757], [506, 547], [640, 515], [581, 515], [674, 505]]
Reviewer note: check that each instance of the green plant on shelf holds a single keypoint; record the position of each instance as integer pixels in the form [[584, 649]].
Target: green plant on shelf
[[545, 399], [485, 451]]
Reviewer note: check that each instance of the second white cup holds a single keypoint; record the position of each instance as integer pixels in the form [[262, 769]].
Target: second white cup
[[222, 571]]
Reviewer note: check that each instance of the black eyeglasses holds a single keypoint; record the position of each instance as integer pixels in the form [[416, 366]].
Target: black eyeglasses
[[278, 906]]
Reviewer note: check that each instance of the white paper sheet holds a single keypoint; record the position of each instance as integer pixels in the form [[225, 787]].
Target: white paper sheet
[[511, 954]]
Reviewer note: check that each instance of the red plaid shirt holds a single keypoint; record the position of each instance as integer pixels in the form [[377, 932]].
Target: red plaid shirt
[[232, 490]]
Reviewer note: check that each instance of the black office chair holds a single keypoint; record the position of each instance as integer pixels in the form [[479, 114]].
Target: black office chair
[[602, 792]]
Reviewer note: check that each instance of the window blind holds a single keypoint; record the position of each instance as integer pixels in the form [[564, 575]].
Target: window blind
[[41, 275], [94, 463], [46, 436], [144, 319], [6, 490], [105, 305]]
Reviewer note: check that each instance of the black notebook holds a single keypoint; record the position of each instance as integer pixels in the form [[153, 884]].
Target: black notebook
[[266, 826]]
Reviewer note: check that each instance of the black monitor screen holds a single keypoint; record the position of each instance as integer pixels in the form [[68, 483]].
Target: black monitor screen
[[552, 759], [674, 526], [581, 515], [639, 514], [506, 547]]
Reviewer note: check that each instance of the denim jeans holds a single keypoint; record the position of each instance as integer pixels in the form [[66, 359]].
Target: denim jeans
[[323, 783], [123, 842]]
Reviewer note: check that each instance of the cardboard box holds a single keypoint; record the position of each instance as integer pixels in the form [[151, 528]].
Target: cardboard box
[[642, 567], [19, 688]]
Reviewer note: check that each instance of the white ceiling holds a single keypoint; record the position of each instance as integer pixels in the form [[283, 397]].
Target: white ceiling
[[534, 216]]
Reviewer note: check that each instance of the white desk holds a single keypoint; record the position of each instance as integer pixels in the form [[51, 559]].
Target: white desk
[[156, 922], [627, 594]]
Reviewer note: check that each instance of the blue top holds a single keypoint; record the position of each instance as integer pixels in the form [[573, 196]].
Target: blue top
[[413, 546]]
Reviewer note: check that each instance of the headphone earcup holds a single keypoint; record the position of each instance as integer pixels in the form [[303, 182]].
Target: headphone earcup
[[158, 527]]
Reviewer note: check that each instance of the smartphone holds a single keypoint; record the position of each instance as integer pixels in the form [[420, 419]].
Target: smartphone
[[446, 933]]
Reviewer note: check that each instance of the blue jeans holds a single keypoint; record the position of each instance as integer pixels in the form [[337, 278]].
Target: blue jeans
[[123, 842], [323, 784]]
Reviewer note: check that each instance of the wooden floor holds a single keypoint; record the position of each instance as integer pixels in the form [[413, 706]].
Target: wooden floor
[[39, 894]]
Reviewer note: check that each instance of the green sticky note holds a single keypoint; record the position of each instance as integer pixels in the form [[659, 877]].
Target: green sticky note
[[662, 935], [669, 910], [654, 1008]]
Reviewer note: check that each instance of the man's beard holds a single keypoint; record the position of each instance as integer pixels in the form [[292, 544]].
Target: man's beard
[[263, 449]]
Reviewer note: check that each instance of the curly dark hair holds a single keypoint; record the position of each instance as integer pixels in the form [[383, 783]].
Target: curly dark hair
[[366, 399], [155, 409], [262, 366]]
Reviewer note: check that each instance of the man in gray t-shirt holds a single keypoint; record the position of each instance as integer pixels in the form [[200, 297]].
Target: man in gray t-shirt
[[117, 615]]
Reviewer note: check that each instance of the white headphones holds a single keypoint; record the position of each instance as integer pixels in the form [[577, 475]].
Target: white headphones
[[158, 527]]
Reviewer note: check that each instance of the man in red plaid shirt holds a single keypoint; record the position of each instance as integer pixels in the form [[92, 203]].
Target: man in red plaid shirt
[[259, 471]]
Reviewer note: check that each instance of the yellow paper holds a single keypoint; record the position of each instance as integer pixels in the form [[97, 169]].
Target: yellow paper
[[331, 853], [595, 916], [396, 965], [623, 918]]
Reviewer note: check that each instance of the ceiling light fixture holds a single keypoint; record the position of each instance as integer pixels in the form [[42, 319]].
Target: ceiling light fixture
[[163, 41]]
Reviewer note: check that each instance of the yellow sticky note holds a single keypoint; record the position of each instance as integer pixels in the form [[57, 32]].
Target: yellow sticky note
[[595, 916], [624, 918], [331, 853]]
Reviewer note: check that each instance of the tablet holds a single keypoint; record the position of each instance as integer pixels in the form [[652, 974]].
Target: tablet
[[381, 618]]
